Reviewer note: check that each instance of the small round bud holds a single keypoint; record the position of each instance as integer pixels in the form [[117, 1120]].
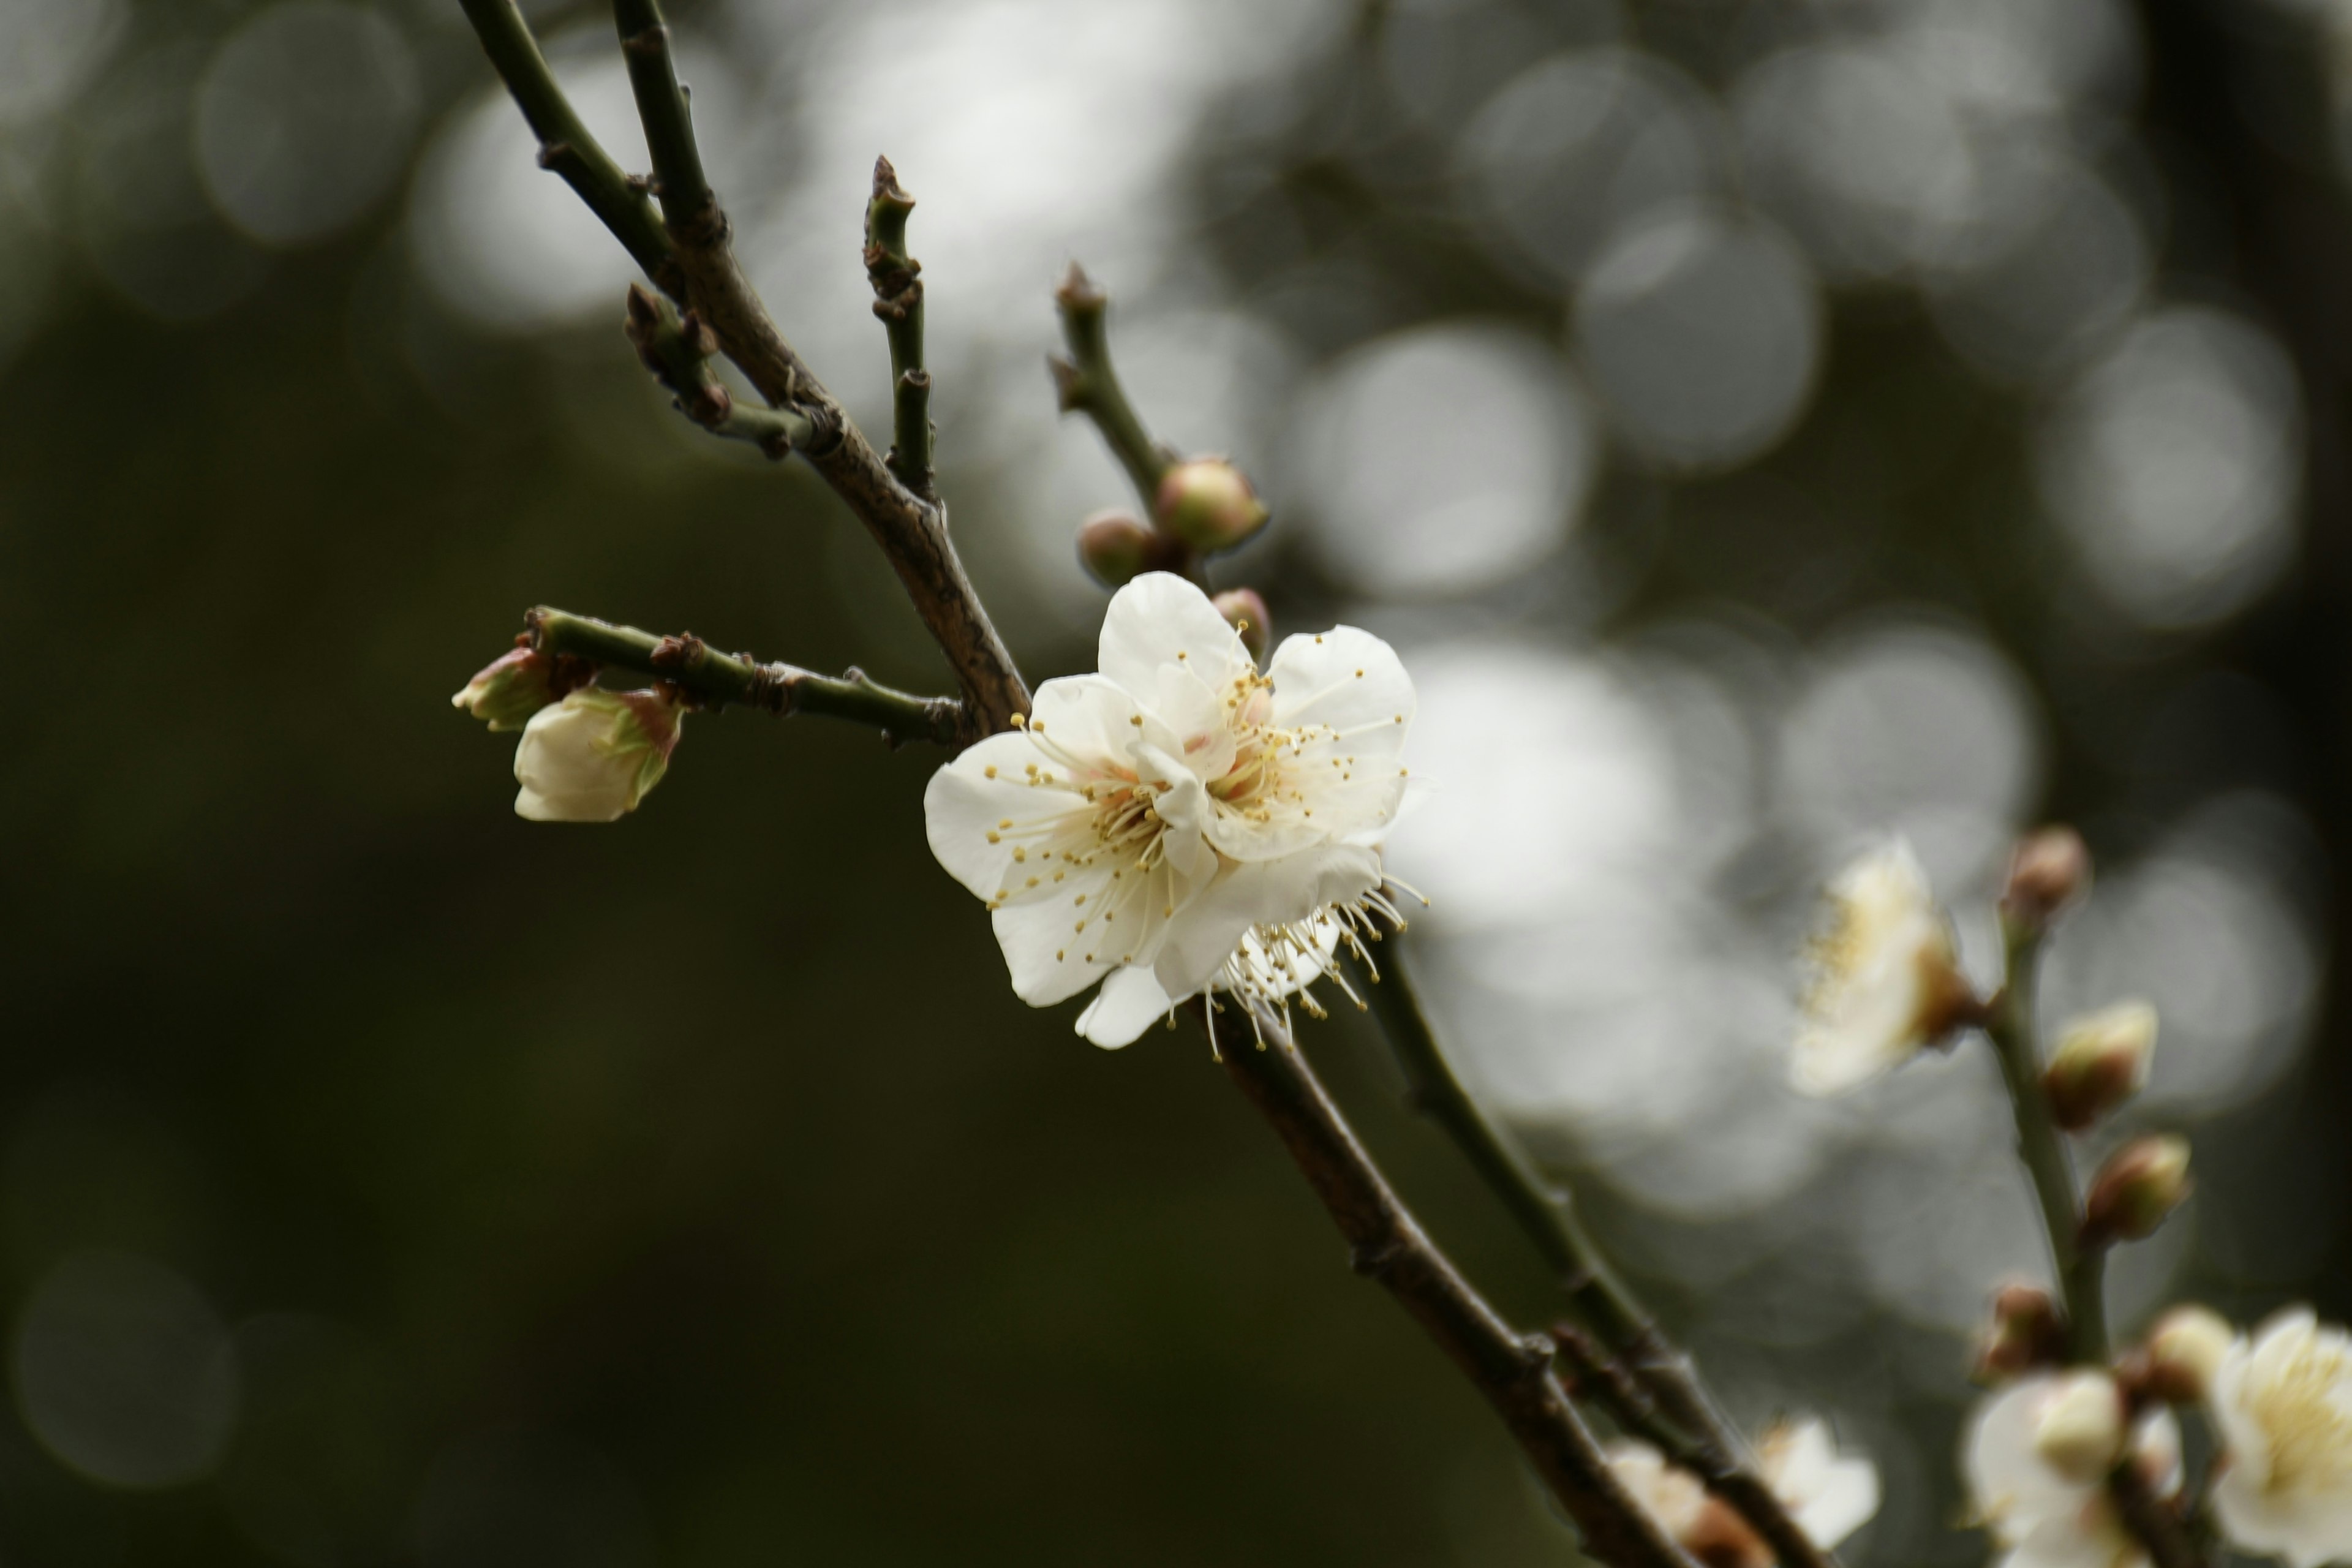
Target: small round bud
[[2050, 870], [2140, 1184], [1208, 504], [2025, 1332], [511, 687], [2079, 1432], [1114, 548], [2101, 1061], [2182, 1354], [1247, 612]]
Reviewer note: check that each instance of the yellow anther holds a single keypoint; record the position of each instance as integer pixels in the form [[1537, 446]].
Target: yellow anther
[[993, 838], [989, 771]]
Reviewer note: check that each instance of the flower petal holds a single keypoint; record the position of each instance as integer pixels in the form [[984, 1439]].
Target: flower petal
[[969, 800], [1130, 1002], [1206, 931], [1345, 679], [1048, 960], [1155, 618]]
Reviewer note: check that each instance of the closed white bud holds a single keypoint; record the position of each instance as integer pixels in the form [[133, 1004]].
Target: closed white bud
[[592, 757], [2079, 1431], [2102, 1060], [507, 691], [2184, 1352]]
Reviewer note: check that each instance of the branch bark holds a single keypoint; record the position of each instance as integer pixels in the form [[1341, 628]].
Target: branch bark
[[691, 260], [1513, 1370], [1086, 384], [1675, 1411], [715, 679], [898, 284]]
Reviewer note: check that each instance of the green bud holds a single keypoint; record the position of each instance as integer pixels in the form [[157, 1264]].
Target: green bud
[[1208, 504], [1116, 548], [509, 689]]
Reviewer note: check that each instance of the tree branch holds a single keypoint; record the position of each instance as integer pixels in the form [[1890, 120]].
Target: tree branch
[[677, 351], [664, 111], [1513, 1370], [1700, 1439], [565, 145], [911, 531], [899, 302], [1085, 384], [715, 679]]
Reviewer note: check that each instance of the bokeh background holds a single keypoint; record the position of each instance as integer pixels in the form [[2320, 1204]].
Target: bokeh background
[[1763, 425]]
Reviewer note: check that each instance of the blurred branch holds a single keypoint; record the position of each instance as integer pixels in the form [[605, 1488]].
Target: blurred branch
[[1513, 1370], [2081, 1269], [566, 146], [1085, 384], [899, 302], [677, 351], [715, 679], [663, 108], [698, 268], [1640, 1370]]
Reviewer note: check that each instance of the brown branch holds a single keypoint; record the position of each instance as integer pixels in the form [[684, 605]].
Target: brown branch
[[700, 271], [1513, 1370], [2153, 1523]]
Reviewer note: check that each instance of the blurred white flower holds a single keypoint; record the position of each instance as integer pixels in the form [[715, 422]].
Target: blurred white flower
[[2035, 1457], [2283, 1404], [1885, 981], [2186, 1351], [1829, 1494], [593, 756], [1180, 822]]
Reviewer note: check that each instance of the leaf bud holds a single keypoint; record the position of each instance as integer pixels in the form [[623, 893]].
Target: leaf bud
[[2049, 870], [2025, 1332]]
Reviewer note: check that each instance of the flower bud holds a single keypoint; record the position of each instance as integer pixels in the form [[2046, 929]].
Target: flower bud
[[2101, 1061], [509, 689], [2079, 1431], [2026, 1333], [592, 757], [2049, 870], [2184, 1352], [1247, 612], [1116, 548], [2140, 1184], [1208, 504]]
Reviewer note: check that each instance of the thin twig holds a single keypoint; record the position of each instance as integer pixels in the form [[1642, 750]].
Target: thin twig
[[1707, 1444], [677, 351], [664, 110], [1513, 1370], [566, 147], [899, 302], [699, 269], [714, 678], [1086, 384]]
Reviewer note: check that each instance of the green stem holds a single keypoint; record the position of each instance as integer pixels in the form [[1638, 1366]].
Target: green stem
[[690, 663], [1087, 384], [898, 303], [2081, 1271], [677, 351], [565, 145], [663, 109], [1694, 1432]]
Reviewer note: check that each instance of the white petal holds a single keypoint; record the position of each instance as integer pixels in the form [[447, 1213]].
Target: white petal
[[2012, 1489], [1153, 620], [1048, 960], [1196, 721], [1207, 929], [1130, 1002], [1345, 678], [1184, 811], [566, 774], [1672, 1497], [2089, 1538], [967, 801], [1830, 1495]]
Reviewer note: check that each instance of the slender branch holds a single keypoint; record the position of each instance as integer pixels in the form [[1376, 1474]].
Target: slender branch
[[1513, 1370], [677, 351], [899, 302], [2081, 1269], [715, 679], [1702, 1441], [565, 145], [1085, 384], [663, 108], [698, 268]]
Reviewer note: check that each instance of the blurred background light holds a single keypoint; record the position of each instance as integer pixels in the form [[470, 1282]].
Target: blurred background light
[[54, 48]]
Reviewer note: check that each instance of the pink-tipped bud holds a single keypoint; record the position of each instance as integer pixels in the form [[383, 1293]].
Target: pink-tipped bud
[[1114, 548], [1208, 504], [511, 687], [2025, 1332], [1245, 612], [2141, 1183], [2101, 1061], [2184, 1352], [2079, 1432], [2049, 870]]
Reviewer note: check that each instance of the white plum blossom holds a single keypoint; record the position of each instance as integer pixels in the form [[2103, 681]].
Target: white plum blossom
[[1887, 979], [1178, 822], [1829, 1494], [2035, 1457], [593, 756], [2283, 1407]]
